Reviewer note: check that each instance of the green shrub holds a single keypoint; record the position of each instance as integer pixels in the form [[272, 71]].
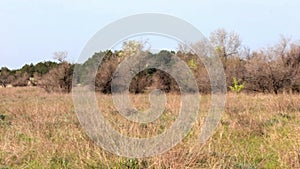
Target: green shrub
[[237, 87]]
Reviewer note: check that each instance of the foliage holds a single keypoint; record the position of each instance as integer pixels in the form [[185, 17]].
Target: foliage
[[43, 68], [275, 69], [192, 64], [237, 87]]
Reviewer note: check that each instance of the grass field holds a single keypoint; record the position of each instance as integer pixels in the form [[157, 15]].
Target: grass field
[[41, 130]]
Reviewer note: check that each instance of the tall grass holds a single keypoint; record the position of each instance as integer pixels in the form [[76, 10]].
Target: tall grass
[[41, 130]]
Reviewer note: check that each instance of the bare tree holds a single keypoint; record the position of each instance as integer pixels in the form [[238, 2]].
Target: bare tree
[[5, 77], [226, 43], [274, 69], [60, 56], [21, 79], [105, 73], [133, 47], [58, 79], [228, 47], [258, 73], [293, 62]]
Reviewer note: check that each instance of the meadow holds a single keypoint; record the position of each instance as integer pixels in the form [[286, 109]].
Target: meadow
[[41, 130]]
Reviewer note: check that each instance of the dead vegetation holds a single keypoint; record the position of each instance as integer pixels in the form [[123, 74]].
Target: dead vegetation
[[40, 130]]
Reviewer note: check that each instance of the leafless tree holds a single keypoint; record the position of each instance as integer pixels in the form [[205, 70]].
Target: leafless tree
[[274, 69], [293, 62], [258, 74], [58, 79], [5, 77], [21, 79], [60, 56], [232, 53], [105, 73], [226, 43]]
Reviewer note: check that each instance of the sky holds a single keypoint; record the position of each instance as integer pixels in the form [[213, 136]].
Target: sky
[[32, 30]]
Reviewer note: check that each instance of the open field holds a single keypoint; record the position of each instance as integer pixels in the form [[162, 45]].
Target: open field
[[41, 130]]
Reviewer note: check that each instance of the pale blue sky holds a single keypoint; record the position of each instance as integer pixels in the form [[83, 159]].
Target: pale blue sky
[[31, 30]]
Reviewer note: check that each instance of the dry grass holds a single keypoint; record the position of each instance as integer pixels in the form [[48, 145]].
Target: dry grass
[[40, 130]]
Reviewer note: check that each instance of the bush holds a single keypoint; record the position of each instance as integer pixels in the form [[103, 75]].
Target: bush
[[236, 87], [58, 79]]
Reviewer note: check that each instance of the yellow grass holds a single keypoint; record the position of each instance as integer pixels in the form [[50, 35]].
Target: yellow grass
[[41, 130]]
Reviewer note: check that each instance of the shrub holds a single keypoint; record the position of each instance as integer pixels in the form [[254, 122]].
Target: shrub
[[58, 79], [236, 87]]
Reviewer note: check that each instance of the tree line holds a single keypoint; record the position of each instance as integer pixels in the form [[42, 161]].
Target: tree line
[[274, 69]]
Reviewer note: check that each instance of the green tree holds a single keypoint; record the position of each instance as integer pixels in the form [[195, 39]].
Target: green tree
[[28, 69], [44, 67]]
